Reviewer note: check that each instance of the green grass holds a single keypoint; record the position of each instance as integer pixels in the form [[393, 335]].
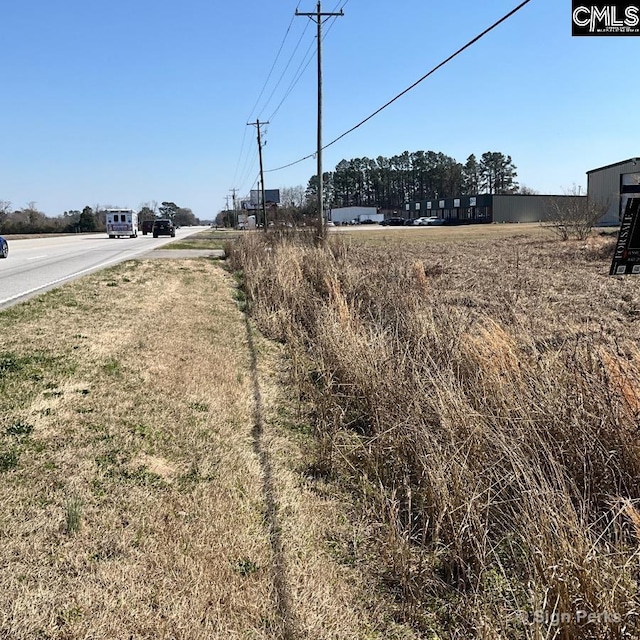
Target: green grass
[[188, 243], [211, 239], [73, 515]]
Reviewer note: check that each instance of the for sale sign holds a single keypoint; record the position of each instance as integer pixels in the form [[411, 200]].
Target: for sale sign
[[627, 256], [605, 19]]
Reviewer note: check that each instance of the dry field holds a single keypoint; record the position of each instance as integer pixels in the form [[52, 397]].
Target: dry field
[[479, 399], [373, 234], [150, 472]]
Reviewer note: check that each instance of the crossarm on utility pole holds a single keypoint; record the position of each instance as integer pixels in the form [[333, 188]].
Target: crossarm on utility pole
[[317, 18]]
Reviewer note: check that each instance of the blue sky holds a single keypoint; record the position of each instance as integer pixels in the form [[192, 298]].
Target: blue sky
[[126, 102]]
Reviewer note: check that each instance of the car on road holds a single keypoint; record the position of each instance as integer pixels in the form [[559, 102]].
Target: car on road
[[163, 228], [4, 247], [147, 227], [393, 222]]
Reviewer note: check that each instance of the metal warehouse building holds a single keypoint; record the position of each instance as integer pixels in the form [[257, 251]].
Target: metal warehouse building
[[610, 187], [486, 208]]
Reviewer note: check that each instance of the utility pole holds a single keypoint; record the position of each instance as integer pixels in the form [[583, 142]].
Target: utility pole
[[235, 211], [226, 210], [317, 17], [257, 124]]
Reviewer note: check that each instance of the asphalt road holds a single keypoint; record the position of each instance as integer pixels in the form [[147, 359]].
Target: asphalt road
[[35, 265]]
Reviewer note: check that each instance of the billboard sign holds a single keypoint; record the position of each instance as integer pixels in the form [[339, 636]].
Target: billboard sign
[[626, 259], [271, 196], [605, 18]]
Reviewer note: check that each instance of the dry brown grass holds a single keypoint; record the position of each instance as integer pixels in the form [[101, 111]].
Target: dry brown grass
[[384, 236], [148, 487], [478, 398]]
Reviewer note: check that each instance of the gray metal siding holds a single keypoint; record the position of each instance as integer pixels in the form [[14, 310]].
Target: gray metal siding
[[524, 208], [603, 187]]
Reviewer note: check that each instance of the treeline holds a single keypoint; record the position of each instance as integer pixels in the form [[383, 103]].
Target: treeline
[[390, 182], [30, 219]]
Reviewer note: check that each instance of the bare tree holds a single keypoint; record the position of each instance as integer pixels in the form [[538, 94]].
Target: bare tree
[[5, 210], [573, 215]]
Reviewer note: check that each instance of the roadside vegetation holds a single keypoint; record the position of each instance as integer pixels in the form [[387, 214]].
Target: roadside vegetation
[[479, 399], [210, 239], [152, 478], [30, 220]]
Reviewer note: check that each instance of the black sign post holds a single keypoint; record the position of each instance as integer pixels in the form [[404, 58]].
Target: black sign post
[[627, 256]]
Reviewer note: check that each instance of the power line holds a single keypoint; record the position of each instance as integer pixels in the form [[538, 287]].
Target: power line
[[240, 155], [297, 75], [415, 84], [300, 71], [274, 63], [248, 168], [302, 67], [286, 67]]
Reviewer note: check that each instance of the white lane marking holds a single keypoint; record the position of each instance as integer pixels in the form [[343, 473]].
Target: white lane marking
[[38, 257], [71, 276]]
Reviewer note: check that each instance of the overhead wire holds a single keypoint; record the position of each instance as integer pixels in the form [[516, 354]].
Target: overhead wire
[[244, 135], [285, 70], [264, 86], [300, 71], [296, 78], [306, 60], [249, 166], [415, 84]]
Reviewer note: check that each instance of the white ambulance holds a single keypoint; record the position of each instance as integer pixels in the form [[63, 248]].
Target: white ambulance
[[122, 222]]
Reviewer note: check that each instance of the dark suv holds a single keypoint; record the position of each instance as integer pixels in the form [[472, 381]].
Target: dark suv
[[163, 228], [147, 227]]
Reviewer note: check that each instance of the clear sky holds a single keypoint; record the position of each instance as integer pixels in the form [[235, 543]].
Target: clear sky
[[122, 102]]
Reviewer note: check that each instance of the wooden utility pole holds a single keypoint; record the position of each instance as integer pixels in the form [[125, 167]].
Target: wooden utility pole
[[235, 211], [317, 17], [257, 124]]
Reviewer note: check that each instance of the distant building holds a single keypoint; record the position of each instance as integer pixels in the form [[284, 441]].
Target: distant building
[[611, 185], [487, 208], [343, 215]]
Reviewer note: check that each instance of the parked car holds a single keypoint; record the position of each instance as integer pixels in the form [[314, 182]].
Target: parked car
[[427, 221], [4, 247], [393, 222], [163, 228]]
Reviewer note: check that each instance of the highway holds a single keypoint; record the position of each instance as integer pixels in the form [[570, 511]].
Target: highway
[[35, 265]]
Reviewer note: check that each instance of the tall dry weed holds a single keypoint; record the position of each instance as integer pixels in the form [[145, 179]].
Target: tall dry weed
[[483, 419]]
